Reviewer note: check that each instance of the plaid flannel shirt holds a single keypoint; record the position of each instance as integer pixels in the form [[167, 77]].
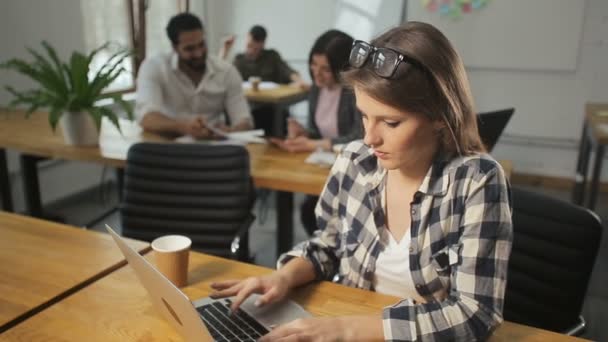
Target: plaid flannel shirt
[[461, 235]]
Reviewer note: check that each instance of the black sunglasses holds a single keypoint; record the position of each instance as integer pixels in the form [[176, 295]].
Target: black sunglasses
[[385, 61]]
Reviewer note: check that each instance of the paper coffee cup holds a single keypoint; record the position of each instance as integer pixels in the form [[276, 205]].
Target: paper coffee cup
[[255, 82], [171, 254]]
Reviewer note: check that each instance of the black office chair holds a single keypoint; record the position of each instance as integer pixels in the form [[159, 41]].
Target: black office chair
[[491, 125], [554, 248], [204, 192]]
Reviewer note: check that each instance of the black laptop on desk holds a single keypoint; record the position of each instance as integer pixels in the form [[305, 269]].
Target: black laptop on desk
[[492, 124]]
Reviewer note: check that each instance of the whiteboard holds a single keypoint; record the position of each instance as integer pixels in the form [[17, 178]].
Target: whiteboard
[[513, 34]]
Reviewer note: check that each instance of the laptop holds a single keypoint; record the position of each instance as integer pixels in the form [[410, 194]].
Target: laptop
[[206, 319], [492, 124]]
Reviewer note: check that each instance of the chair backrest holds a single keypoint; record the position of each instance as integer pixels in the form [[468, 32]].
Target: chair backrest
[[554, 248], [491, 125], [202, 191]]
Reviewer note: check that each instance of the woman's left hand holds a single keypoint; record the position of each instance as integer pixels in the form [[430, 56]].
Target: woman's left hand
[[294, 129], [353, 328]]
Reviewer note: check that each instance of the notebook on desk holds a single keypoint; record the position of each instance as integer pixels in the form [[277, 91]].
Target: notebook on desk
[[228, 138], [206, 319]]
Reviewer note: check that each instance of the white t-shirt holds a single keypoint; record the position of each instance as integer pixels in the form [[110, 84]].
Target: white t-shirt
[[392, 275]]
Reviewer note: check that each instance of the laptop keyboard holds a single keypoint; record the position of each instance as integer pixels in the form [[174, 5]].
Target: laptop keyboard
[[224, 326]]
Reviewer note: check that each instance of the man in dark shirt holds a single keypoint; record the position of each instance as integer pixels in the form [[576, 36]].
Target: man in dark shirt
[[266, 64], [260, 62]]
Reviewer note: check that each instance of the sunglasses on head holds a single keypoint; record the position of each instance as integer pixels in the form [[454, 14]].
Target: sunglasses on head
[[384, 61]]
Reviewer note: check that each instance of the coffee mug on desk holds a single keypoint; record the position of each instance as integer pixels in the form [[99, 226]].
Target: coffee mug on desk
[[255, 82], [171, 254]]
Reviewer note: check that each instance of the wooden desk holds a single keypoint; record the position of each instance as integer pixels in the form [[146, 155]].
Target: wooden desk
[[271, 168], [281, 97], [116, 308], [43, 262], [280, 94], [591, 136], [507, 166]]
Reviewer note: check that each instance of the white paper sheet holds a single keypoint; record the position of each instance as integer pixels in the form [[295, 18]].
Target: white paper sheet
[[321, 158], [262, 86]]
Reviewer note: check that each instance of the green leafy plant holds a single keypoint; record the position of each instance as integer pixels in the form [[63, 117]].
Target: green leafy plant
[[66, 86]]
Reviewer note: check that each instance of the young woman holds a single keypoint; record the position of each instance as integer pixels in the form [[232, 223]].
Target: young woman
[[416, 210], [332, 113]]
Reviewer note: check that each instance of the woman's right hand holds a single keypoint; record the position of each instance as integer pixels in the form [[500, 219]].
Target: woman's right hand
[[272, 288], [294, 129]]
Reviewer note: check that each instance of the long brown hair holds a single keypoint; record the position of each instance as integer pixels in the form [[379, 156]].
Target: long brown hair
[[433, 83], [335, 45]]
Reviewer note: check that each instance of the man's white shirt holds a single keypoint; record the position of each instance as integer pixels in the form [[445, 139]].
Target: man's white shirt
[[163, 87]]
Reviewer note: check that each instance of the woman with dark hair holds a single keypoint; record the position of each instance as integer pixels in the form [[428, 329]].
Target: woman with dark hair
[[416, 210], [332, 115]]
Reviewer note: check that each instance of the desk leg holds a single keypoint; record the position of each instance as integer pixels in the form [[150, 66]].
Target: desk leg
[[31, 186], [120, 182], [584, 153], [284, 222], [278, 128], [5, 184], [595, 178], [105, 214]]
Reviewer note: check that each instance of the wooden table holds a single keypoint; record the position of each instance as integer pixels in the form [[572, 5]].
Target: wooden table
[[43, 262], [116, 308], [271, 167], [280, 98], [596, 117]]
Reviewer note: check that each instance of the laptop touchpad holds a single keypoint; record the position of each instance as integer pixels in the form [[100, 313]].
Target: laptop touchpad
[[274, 314]]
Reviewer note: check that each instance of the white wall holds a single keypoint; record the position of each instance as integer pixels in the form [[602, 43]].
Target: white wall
[[525, 41], [542, 137], [26, 23]]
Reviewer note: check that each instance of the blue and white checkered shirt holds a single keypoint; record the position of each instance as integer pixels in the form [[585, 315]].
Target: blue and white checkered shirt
[[461, 235]]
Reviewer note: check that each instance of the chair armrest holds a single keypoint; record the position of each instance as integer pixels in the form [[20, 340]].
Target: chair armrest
[[239, 248], [578, 329]]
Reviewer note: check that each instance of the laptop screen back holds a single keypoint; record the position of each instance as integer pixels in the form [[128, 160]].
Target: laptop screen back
[[175, 307]]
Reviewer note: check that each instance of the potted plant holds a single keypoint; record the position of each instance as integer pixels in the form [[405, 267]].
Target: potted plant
[[68, 91]]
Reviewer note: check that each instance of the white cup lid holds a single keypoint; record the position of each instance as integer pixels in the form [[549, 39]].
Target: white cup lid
[[171, 243]]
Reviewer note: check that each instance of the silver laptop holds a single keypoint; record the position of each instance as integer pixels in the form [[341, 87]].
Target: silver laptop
[[206, 319]]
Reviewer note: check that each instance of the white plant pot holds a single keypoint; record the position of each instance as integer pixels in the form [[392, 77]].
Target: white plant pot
[[79, 129]]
